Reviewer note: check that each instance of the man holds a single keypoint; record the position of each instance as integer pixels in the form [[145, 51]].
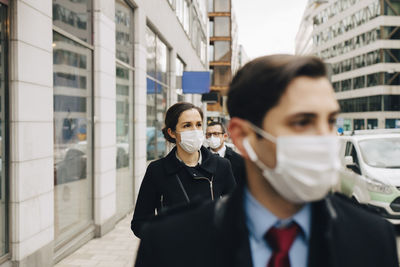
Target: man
[[216, 136], [283, 112]]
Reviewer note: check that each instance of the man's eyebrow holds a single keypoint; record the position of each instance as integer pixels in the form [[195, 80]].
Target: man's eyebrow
[[302, 114], [334, 113]]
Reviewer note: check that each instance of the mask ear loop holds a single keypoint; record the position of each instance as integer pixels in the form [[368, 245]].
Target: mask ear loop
[[263, 133], [252, 155], [249, 150]]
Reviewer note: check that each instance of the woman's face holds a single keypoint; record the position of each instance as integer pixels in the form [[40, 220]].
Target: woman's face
[[189, 120]]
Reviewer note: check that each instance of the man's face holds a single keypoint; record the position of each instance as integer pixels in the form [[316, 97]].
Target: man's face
[[217, 132], [308, 107]]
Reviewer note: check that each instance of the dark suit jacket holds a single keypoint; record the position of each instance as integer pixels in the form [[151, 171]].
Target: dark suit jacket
[[237, 163], [215, 235]]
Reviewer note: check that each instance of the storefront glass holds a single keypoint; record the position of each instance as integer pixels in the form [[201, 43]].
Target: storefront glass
[[72, 81], [157, 90], [3, 130], [124, 107]]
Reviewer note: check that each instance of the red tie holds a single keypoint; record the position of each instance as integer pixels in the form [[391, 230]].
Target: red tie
[[280, 240]]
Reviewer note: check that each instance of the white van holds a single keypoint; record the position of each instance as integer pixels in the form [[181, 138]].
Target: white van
[[371, 170]]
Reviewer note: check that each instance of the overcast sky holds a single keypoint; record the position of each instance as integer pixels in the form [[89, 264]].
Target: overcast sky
[[268, 26]]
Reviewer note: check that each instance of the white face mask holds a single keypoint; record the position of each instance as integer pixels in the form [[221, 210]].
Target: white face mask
[[191, 141], [214, 142], [307, 166]]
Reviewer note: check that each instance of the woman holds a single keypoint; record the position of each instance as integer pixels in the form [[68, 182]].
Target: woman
[[189, 173]]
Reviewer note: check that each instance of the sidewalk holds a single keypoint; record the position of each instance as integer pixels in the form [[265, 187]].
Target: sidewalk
[[116, 249]]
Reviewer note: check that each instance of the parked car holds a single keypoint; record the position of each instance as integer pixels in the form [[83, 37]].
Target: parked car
[[371, 171]]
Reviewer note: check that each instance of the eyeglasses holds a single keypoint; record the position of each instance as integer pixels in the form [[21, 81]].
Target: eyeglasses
[[215, 134]]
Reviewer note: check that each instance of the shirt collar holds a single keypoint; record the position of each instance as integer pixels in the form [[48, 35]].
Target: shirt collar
[[198, 162], [220, 152], [259, 219]]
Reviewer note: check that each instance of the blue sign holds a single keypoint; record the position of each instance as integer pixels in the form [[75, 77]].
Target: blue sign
[[153, 87], [196, 82]]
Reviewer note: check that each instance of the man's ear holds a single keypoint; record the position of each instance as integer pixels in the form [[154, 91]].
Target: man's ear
[[238, 129], [171, 133]]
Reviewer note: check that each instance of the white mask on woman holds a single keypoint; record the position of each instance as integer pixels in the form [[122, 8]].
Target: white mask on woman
[[191, 141], [307, 166]]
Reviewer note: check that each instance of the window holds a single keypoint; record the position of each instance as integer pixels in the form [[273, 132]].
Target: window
[[391, 102], [222, 5], [157, 90], [72, 87], [222, 26], [124, 107], [346, 85], [392, 123], [222, 51], [359, 124], [372, 123], [4, 192], [361, 104], [180, 67], [74, 17], [222, 76], [359, 82]]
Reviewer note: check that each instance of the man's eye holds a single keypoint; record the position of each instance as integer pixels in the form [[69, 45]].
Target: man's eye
[[186, 125], [199, 125], [301, 123], [332, 121]]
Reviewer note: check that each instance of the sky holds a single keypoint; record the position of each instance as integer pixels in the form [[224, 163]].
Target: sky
[[268, 26]]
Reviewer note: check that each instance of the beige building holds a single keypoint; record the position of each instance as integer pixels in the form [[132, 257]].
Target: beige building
[[360, 41]]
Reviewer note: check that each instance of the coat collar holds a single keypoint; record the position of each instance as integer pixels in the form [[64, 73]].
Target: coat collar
[[229, 151], [173, 165]]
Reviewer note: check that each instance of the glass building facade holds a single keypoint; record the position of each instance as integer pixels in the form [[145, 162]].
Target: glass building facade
[[358, 40]]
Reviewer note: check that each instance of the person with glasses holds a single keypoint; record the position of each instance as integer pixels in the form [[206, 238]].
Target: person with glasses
[[216, 136], [283, 114], [189, 174]]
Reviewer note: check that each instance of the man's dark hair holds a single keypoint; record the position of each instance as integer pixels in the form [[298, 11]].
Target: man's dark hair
[[258, 86], [213, 123], [172, 117]]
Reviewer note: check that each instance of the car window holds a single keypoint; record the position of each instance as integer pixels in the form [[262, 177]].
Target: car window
[[381, 153], [354, 155], [348, 148]]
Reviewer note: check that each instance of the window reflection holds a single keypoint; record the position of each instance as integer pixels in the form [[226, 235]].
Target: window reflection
[[3, 84], [179, 66], [222, 51], [362, 104], [72, 104], [222, 6], [123, 32], [222, 26], [74, 16], [346, 24], [157, 71]]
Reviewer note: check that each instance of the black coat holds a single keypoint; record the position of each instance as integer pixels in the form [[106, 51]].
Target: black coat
[[237, 163], [169, 183], [216, 235]]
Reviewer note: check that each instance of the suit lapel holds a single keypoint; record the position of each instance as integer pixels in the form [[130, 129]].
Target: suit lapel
[[321, 245], [232, 242]]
